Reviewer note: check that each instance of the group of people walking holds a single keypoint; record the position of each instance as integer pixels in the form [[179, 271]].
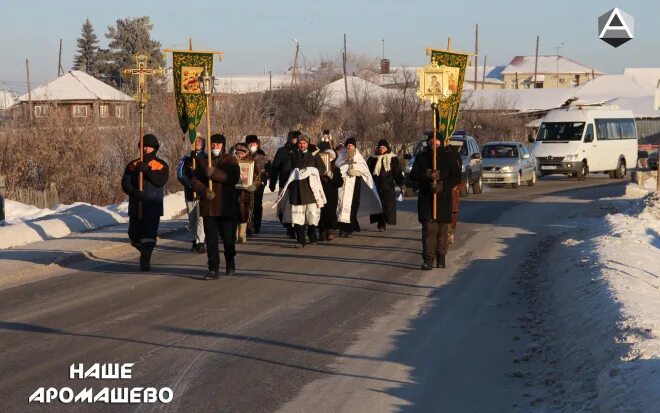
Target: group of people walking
[[322, 190]]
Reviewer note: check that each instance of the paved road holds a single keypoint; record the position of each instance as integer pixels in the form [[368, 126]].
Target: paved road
[[352, 326]]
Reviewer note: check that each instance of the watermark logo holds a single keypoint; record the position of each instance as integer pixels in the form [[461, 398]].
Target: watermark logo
[[616, 27]]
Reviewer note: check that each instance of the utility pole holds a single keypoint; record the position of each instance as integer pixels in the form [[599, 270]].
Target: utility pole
[[483, 79], [476, 57], [27, 70], [270, 80], [558, 47], [345, 56], [536, 61], [383, 40], [295, 63], [59, 62]]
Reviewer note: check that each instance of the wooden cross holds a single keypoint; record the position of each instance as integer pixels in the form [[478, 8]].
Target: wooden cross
[[142, 71]]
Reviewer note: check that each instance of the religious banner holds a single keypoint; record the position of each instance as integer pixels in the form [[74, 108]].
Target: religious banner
[[188, 67], [442, 83]]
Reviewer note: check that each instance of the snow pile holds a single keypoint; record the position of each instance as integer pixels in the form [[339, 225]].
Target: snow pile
[[26, 224], [629, 256]]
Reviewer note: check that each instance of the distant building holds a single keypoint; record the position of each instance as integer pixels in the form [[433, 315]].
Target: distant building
[[7, 100], [76, 96], [552, 72]]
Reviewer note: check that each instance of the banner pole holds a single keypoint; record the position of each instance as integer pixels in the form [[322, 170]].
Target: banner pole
[[141, 157], [434, 107], [208, 133]]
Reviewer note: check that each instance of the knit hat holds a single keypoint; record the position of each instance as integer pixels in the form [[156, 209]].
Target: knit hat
[[383, 142], [351, 141], [218, 138], [303, 137], [241, 147], [151, 141], [252, 139]]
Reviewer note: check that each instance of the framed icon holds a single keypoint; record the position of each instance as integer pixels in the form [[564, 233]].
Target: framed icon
[[247, 174]]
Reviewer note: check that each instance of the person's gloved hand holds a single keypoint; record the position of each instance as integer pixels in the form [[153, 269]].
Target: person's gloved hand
[[352, 172], [328, 174], [210, 195], [434, 175], [142, 167], [436, 187]]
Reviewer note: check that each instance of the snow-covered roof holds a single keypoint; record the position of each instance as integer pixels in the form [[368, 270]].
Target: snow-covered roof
[[546, 64], [251, 83], [7, 99], [519, 100], [76, 85], [492, 74], [650, 76], [358, 88]]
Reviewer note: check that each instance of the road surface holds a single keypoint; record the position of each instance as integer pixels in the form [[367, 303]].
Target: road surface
[[348, 326]]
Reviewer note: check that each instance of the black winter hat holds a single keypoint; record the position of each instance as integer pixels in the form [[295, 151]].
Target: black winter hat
[[252, 139], [351, 141], [151, 141], [383, 142], [218, 138]]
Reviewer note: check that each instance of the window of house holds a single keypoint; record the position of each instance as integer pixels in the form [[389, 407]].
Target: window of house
[[119, 112], [40, 111], [104, 111], [79, 111]]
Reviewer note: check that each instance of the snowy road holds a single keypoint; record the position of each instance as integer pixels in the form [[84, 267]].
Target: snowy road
[[352, 326]]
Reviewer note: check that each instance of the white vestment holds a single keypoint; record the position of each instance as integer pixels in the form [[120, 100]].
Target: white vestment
[[369, 200]]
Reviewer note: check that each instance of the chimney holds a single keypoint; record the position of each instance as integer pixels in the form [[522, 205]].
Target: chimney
[[385, 66]]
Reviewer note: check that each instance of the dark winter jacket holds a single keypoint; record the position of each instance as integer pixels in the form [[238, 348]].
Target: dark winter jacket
[[280, 168], [448, 163], [300, 192], [154, 179], [184, 173], [331, 189], [225, 177], [386, 182]]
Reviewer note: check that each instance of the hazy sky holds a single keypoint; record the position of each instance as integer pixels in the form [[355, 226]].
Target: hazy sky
[[258, 33]]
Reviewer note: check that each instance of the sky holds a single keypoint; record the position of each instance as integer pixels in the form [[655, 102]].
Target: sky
[[257, 34]]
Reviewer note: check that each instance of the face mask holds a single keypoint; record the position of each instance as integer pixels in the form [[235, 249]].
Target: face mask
[[253, 149], [215, 152]]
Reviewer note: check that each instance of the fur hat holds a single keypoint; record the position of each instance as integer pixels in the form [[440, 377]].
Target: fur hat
[[252, 139], [151, 141], [383, 142], [351, 141], [241, 147], [218, 138], [303, 137]]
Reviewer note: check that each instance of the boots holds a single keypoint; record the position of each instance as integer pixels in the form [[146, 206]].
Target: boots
[[145, 256], [427, 266], [331, 235], [311, 232], [382, 227], [300, 236], [212, 275], [440, 261], [323, 236], [231, 266], [291, 233]]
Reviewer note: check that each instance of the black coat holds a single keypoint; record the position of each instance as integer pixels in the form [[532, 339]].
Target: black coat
[[225, 177], [184, 173], [280, 168], [154, 179], [300, 192], [331, 189], [386, 183], [450, 175]]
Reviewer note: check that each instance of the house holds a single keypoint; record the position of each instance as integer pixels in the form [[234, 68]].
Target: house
[[76, 96], [7, 100], [552, 71]]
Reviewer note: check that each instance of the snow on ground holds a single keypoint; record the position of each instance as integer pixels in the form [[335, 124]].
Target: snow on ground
[[600, 295], [26, 224]]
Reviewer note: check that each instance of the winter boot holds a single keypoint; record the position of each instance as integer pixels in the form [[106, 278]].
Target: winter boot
[[194, 247], [212, 275], [145, 256], [200, 248], [231, 266], [290, 233], [300, 236], [311, 232], [331, 235], [440, 261], [323, 236], [381, 227], [427, 266], [242, 233]]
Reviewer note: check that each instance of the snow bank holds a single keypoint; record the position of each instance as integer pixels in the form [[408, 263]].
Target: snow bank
[[26, 224]]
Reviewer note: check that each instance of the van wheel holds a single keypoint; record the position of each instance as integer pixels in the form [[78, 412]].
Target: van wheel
[[517, 184], [583, 172], [532, 180], [478, 187], [620, 170]]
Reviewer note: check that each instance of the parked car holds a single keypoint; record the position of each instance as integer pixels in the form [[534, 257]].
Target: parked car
[[652, 160], [508, 163], [471, 170]]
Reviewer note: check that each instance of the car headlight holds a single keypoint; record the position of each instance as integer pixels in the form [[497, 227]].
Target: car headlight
[[506, 169], [573, 157]]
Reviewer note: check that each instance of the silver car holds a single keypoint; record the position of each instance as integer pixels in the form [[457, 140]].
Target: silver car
[[508, 163]]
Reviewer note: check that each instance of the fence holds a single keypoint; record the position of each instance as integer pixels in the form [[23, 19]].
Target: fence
[[40, 199]]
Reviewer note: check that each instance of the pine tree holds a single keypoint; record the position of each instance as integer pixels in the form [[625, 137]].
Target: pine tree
[[87, 55], [128, 37]]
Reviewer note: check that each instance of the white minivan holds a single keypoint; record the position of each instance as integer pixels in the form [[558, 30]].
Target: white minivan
[[578, 140]]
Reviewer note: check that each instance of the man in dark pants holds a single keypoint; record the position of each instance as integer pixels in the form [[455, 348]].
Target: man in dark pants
[[218, 206], [143, 230], [281, 169], [262, 163], [435, 183]]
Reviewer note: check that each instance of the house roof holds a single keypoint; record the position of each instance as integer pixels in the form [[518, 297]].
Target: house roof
[[358, 88], [520, 100], [76, 85], [546, 64]]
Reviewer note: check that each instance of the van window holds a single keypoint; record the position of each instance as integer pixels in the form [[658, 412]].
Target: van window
[[614, 129], [628, 129], [560, 131], [589, 134]]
